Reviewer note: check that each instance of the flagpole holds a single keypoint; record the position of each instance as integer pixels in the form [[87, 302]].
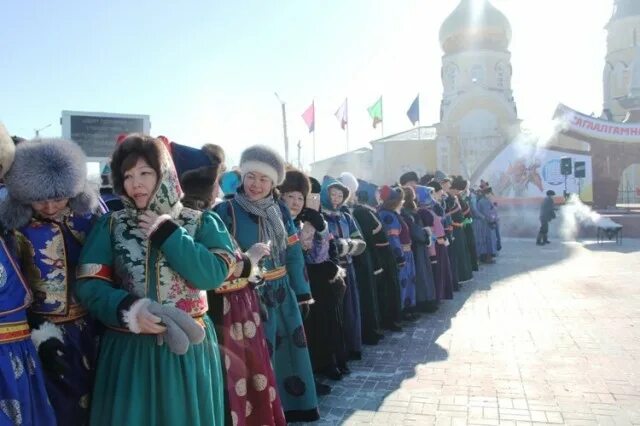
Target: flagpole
[[346, 107], [314, 130], [381, 121]]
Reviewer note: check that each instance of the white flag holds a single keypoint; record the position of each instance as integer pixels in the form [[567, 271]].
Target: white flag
[[341, 115]]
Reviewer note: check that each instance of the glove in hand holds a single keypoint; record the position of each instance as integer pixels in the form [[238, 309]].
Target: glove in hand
[[314, 218], [52, 355], [182, 329]]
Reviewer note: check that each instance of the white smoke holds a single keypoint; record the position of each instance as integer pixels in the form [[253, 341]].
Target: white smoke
[[575, 214]]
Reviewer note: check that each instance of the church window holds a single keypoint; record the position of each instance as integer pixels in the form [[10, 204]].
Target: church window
[[477, 74]]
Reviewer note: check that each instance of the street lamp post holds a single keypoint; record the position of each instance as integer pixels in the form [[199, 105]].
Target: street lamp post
[[37, 131], [284, 127]]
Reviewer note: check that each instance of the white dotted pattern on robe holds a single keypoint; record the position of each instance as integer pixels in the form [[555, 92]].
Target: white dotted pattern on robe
[[259, 382], [241, 387]]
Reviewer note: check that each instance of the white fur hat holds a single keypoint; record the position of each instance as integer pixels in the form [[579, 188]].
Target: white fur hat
[[262, 159], [350, 181]]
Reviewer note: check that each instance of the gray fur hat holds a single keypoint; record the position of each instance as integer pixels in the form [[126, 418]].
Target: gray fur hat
[[7, 150], [46, 169], [262, 159]]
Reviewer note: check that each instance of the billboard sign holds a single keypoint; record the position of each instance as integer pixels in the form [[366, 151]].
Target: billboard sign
[[522, 172], [96, 132]]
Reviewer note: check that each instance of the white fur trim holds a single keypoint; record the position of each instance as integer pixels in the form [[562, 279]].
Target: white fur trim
[[131, 316], [343, 247], [341, 273], [46, 331], [260, 167]]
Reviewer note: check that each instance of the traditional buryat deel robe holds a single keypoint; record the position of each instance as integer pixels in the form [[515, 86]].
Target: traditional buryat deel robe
[[458, 241], [468, 231], [367, 271], [420, 239], [442, 266], [324, 325], [342, 225], [484, 223], [251, 397], [285, 285], [400, 240], [23, 395], [137, 380], [48, 253]]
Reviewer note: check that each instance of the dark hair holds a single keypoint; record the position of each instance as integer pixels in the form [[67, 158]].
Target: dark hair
[[409, 198], [127, 153]]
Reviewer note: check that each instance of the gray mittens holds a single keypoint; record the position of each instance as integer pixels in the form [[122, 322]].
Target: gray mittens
[[182, 329]]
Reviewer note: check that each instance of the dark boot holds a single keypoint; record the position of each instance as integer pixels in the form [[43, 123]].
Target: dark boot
[[539, 239], [322, 389], [545, 239]]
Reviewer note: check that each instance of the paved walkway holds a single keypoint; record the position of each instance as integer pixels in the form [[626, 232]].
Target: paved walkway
[[546, 336]]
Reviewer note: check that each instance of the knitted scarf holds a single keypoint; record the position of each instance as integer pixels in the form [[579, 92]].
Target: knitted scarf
[[271, 226]]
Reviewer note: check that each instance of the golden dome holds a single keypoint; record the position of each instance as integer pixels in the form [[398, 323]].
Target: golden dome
[[475, 24]]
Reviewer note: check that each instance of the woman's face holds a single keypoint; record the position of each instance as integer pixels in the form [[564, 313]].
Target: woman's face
[[140, 183], [336, 196], [295, 201], [257, 186], [49, 209]]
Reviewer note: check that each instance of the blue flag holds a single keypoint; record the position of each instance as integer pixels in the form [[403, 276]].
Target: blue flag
[[414, 110]]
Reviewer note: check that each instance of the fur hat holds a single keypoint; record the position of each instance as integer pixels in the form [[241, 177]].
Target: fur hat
[[350, 181], [388, 194], [459, 183], [435, 185], [296, 180], [408, 177], [187, 158], [440, 177], [7, 150], [46, 169], [316, 187], [262, 159]]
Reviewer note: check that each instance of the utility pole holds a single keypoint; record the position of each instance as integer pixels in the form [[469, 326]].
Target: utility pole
[[299, 159], [284, 127], [37, 131]]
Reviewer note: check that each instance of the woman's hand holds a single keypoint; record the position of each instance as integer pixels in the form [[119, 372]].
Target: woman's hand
[[257, 251], [149, 323], [149, 221]]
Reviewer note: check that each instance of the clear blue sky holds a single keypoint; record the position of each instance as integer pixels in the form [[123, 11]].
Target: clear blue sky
[[206, 71]]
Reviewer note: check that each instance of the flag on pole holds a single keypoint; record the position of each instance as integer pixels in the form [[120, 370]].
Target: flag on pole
[[309, 117], [414, 110], [375, 112], [342, 115]]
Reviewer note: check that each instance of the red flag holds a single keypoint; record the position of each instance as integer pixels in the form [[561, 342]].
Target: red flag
[[309, 117]]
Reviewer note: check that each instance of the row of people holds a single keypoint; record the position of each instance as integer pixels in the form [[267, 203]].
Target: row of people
[[172, 311]]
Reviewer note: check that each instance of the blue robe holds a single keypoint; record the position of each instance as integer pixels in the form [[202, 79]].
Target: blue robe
[[23, 395], [283, 328], [394, 226], [48, 255]]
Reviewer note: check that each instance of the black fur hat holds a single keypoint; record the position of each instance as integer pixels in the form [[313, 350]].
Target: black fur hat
[[435, 185], [316, 187], [459, 183], [408, 177], [46, 169], [295, 180]]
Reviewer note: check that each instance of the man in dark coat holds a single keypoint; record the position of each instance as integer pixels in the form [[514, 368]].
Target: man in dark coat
[[547, 214]]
